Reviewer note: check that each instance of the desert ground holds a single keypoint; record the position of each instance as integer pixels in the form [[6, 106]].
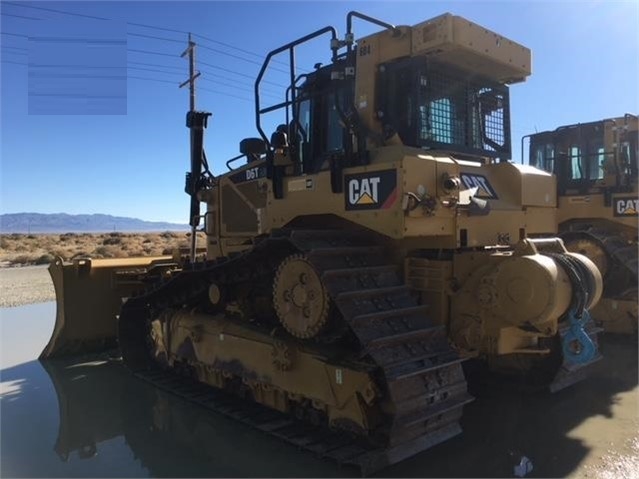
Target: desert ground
[[24, 257], [32, 249]]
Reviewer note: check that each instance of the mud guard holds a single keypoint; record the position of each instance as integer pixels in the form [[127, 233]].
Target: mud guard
[[89, 294]]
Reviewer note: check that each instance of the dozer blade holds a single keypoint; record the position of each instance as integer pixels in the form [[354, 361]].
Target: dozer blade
[[89, 294]]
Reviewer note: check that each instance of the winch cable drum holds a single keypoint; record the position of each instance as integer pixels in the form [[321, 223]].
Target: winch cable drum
[[576, 343]]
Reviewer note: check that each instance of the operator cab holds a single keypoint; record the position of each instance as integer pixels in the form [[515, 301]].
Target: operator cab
[[435, 106], [438, 85], [585, 156], [429, 105]]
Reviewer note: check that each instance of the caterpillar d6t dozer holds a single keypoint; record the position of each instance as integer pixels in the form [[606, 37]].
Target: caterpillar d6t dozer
[[360, 252], [596, 167]]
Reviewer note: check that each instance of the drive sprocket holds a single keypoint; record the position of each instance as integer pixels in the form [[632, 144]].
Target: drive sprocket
[[300, 298]]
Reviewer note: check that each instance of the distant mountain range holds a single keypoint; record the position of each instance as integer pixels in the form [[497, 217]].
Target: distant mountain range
[[64, 223]]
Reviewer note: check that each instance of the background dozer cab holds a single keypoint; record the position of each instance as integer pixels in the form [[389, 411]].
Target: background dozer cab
[[374, 239], [597, 168]]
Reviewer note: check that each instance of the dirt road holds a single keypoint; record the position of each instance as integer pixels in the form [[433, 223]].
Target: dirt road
[[25, 285]]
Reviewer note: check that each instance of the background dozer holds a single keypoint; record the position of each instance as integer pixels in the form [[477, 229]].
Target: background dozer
[[365, 247], [596, 167]]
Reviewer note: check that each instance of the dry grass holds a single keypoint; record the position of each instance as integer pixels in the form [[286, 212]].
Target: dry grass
[[22, 249]]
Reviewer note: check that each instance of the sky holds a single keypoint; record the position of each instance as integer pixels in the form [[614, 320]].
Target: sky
[[110, 137]]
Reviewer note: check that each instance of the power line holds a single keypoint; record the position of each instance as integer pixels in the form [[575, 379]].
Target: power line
[[14, 34], [199, 88], [134, 77], [152, 79], [14, 63], [154, 70], [77, 95], [152, 53], [16, 53], [19, 16], [205, 64], [239, 74], [243, 88], [227, 45], [156, 65], [241, 85], [225, 94], [207, 72], [204, 37], [63, 12], [158, 28], [208, 65], [262, 56], [74, 75], [55, 11], [240, 58], [55, 65], [164, 39]]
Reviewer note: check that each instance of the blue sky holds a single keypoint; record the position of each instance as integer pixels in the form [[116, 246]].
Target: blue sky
[[129, 157]]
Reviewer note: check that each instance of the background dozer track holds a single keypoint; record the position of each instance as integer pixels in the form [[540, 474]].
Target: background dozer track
[[617, 258]]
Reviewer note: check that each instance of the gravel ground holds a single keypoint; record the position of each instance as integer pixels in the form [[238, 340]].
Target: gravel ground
[[26, 285]]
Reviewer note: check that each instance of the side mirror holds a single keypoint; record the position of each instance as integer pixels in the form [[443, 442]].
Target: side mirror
[[252, 147]]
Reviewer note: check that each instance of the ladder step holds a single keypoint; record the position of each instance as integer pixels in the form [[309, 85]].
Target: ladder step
[[425, 370], [441, 408], [345, 250], [402, 337], [367, 293], [402, 362], [331, 273], [391, 313]]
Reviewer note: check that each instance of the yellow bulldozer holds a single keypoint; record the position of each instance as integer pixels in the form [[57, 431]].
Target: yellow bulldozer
[[357, 254], [596, 167]]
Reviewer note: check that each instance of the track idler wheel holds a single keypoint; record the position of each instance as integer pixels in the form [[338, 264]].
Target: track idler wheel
[[300, 299]]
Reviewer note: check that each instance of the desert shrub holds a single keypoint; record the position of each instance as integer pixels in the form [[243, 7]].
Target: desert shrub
[[147, 240], [67, 236], [31, 237], [22, 259], [4, 243], [112, 240], [44, 259], [166, 251], [64, 254]]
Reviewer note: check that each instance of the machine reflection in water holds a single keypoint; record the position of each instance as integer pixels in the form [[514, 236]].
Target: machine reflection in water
[[100, 400], [101, 403]]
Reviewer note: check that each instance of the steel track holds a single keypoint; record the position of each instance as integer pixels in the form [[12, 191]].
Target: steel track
[[624, 256], [417, 370]]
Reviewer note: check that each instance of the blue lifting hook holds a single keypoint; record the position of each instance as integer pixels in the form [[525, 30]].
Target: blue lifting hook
[[577, 345]]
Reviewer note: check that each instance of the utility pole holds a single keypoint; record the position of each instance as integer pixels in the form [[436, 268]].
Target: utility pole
[[190, 51]]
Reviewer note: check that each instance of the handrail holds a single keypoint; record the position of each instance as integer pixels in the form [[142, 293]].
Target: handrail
[[289, 46]]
